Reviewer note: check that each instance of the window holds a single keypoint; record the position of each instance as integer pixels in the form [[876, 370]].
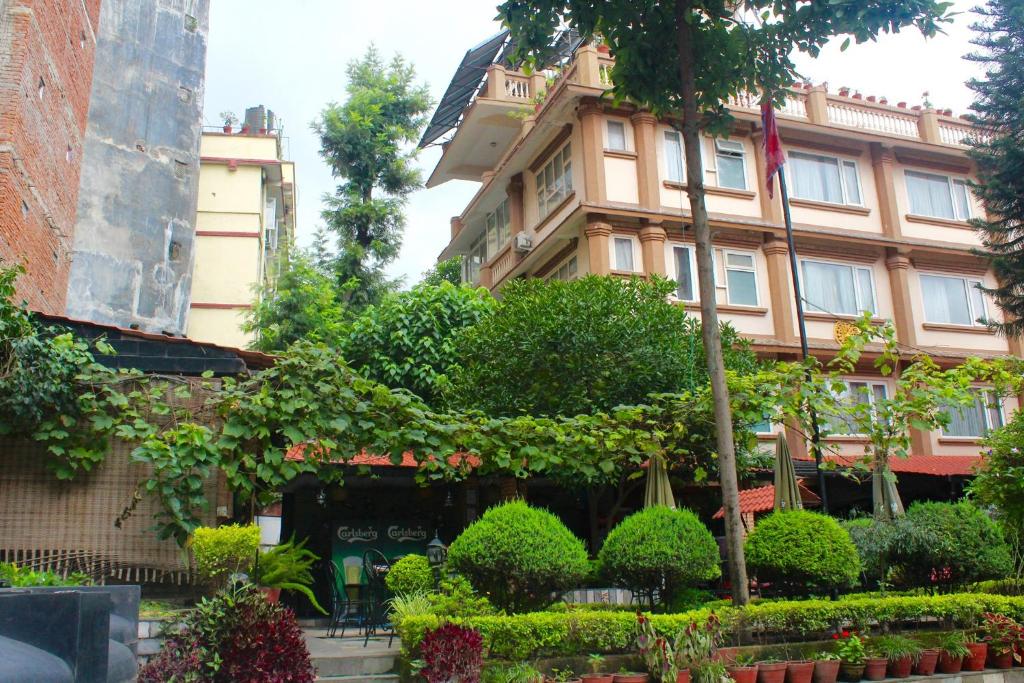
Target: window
[[825, 179], [938, 196], [566, 271], [740, 278], [617, 136], [952, 300], [623, 254], [838, 288], [498, 228], [476, 257], [674, 157], [762, 427], [683, 270], [731, 164], [855, 392], [975, 420], [554, 182]]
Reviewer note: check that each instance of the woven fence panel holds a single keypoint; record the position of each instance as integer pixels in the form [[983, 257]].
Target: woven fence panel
[[73, 526]]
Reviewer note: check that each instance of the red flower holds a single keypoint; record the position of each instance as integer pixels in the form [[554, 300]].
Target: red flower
[[835, 636], [846, 634]]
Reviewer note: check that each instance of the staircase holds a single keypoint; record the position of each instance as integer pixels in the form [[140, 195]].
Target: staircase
[[345, 660]]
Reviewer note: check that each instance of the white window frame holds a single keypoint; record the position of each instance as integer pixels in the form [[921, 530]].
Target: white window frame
[[638, 265], [565, 263], [739, 151], [871, 384], [840, 162], [951, 181], [670, 268], [469, 274], [969, 284], [1000, 408], [497, 223], [559, 169], [608, 135], [857, 294], [752, 269]]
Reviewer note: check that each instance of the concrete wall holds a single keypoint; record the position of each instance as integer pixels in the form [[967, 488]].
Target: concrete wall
[[133, 247]]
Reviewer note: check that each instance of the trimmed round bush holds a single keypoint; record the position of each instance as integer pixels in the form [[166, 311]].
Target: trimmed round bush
[[518, 556], [660, 549], [950, 544], [411, 574], [798, 548]]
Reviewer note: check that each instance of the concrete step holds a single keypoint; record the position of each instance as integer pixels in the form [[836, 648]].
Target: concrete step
[[379, 678], [351, 664]]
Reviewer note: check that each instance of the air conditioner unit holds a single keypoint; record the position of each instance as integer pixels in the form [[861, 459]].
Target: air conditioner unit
[[523, 243]]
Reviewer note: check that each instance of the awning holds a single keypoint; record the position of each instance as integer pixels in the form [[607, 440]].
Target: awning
[[762, 499]]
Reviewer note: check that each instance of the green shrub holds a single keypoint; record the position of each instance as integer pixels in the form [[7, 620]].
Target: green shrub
[[25, 577], [287, 566], [411, 574], [457, 598], [875, 542], [224, 550], [660, 548], [950, 544], [798, 548], [518, 555]]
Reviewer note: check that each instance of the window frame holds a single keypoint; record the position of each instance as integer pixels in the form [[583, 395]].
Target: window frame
[[969, 283], [678, 141], [951, 182], [670, 268], [548, 198], [856, 285], [608, 135], [672, 274], [565, 263], [870, 384], [741, 154], [638, 264], [753, 269], [1000, 408], [841, 161], [479, 244]]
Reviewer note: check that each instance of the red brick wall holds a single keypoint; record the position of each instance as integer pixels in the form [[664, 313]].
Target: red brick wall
[[41, 137]]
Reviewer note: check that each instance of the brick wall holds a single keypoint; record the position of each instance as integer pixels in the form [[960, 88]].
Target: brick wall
[[46, 64]]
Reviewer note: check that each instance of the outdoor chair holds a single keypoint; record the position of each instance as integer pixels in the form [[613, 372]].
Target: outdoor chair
[[345, 610], [376, 566]]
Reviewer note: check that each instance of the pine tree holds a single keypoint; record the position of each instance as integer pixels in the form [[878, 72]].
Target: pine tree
[[999, 107]]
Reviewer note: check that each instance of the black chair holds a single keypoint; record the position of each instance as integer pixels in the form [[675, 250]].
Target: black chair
[[376, 566], [345, 611]]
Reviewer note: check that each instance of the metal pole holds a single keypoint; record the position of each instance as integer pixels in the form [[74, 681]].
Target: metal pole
[[815, 434]]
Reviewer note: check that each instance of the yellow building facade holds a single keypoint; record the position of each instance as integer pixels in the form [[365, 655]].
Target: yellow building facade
[[245, 220], [879, 198]]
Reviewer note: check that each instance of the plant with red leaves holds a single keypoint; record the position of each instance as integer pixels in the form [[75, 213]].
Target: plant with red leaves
[[452, 654]]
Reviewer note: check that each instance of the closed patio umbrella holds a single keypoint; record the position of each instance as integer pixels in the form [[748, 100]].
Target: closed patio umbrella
[[787, 495], [658, 490], [884, 495]]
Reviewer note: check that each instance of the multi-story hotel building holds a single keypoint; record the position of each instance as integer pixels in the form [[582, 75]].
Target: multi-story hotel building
[[879, 199], [245, 219]]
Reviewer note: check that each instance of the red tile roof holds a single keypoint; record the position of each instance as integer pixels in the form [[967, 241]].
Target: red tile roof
[[937, 465], [363, 458], [762, 499]]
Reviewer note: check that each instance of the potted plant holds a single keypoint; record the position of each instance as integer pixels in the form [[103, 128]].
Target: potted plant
[[562, 676], [926, 662], [1003, 636], [743, 669], [850, 649], [977, 653], [952, 650], [799, 671], [595, 662], [826, 667], [900, 652], [771, 670], [875, 665], [286, 567], [630, 677], [229, 119]]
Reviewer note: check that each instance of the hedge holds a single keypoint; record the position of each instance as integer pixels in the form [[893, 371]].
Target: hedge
[[527, 636]]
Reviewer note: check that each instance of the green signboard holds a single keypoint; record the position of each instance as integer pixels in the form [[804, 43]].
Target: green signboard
[[393, 539]]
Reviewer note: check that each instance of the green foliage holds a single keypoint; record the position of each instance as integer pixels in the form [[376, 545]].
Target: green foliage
[[304, 303], [224, 550], [999, 482], [287, 566], [456, 597], [411, 574], [894, 647], [407, 341], [21, 576], [449, 270], [875, 541], [366, 143], [660, 548], [951, 544], [522, 637], [586, 345], [798, 547], [1000, 159], [518, 555]]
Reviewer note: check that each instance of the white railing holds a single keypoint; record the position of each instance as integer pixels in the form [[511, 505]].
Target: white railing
[[745, 100], [857, 116], [604, 73], [517, 88], [951, 133], [795, 106]]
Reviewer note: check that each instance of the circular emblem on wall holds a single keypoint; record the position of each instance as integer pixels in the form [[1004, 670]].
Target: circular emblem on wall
[[843, 330]]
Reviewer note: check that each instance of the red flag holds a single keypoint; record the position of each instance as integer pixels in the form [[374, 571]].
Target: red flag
[[773, 156]]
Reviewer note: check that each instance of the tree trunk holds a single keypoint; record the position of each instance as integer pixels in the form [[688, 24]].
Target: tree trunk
[[709, 311]]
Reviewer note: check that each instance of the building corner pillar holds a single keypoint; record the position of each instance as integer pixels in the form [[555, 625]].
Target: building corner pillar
[[883, 167], [652, 244], [591, 116], [780, 289], [645, 125], [598, 234]]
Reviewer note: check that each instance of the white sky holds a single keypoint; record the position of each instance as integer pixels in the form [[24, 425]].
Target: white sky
[[291, 58]]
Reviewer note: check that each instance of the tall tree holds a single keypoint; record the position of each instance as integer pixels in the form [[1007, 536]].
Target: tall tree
[[449, 270], [368, 143], [685, 59], [999, 107]]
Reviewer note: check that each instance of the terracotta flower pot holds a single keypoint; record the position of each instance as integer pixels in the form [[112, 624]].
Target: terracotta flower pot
[[800, 671], [976, 660], [1019, 659], [683, 676], [630, 677], [874, 668], [851, 672], [771, 672], [825, 671], [600, 678], [1002, 660], [949, 665], [272, 595], [743, 674], [227, 129], [926, 662], [604, 49], [900, 668]]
